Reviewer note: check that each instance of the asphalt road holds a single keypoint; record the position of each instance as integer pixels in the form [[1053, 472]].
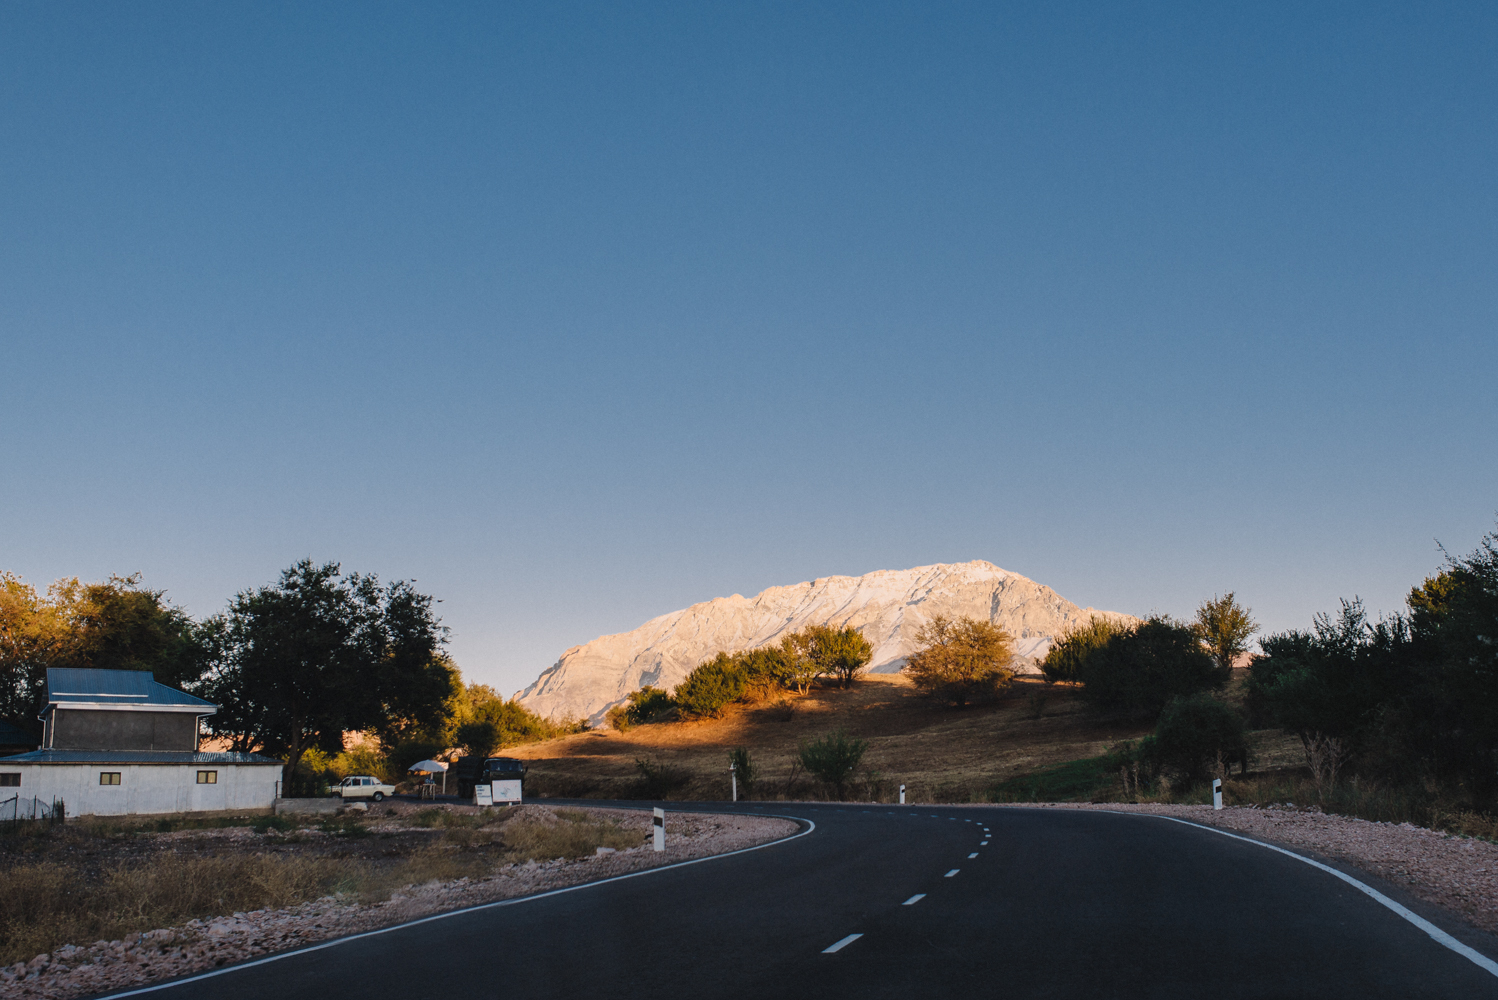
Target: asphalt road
[[954, 902]]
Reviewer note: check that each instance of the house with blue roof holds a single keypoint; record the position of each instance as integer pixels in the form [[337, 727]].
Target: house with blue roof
[[116, 742]]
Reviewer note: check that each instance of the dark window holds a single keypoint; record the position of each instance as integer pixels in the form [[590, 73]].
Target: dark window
[[109, 777], [10, 780], [207, 777]]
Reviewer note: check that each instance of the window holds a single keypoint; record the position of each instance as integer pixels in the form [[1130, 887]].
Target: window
[[10, 780], [207, 777], [109, 777]]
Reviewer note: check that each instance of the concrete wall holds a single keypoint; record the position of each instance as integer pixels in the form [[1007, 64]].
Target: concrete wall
[[147, 788], [94, 729]]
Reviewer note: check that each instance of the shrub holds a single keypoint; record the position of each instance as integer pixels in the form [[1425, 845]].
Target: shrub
[[961, 661], [657, 780], [711, 686], [1137, 671], [1072, 648], [743, 767], [1194, 733], [833, 758], [649, 704]]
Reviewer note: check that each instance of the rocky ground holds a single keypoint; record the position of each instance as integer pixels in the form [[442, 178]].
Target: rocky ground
[[199, 945], [1458, 873]]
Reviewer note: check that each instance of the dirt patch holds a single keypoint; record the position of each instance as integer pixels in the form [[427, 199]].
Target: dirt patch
[[1457, 873], [411, 862]]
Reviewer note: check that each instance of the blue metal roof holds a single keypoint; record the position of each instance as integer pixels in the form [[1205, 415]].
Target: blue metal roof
[[135, 757], [80, 686]]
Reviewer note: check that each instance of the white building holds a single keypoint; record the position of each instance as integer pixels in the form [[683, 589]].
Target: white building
[[117, 743]]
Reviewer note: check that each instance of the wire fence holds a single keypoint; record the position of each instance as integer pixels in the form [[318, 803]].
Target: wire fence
[[25, 809]]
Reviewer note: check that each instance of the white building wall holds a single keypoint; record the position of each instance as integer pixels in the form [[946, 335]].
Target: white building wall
[[147, 788]]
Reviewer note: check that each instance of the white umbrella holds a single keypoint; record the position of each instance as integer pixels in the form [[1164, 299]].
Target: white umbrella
[[431, 767]]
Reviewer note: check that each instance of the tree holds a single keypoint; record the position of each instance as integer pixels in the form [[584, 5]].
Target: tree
[[649, 704], [1137, 671], [114, 625], [297, 664], [961, 661], [1072, 648], [709, 687], [1224, 626], [797, 670], [1194, 733], [833, 652], [833, 758]]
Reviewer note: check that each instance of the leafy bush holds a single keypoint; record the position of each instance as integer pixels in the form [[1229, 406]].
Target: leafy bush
[[961, 661], [1072, 648], [1194, 733], [743, 767], [649, 704], [711, 686], [657, 780], [833, 652], [1137, 671], [833, 758]]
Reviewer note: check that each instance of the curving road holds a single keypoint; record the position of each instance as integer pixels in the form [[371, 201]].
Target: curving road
[[902, 901]]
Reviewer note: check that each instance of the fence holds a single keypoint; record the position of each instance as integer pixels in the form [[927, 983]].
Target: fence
[[17, 809]]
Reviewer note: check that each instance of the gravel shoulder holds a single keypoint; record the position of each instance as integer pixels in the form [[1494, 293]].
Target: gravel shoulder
[[200, 945], [1459, 874]]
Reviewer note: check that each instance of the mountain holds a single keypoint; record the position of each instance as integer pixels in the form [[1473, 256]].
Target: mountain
[[888, 607]]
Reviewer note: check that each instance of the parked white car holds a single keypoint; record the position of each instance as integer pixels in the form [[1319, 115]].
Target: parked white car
[[362, 786]]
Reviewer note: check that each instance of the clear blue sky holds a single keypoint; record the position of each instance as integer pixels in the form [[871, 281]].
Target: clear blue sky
[[580, 314]]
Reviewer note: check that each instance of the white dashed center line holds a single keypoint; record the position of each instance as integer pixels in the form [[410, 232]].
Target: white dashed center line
[[839, 946], [982, 843], [954, 871], [914, 899], [972, 856]]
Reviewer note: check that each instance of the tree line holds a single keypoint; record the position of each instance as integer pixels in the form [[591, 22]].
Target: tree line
[[294, 665]]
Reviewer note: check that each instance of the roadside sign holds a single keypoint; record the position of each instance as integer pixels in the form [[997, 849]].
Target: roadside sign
[[506, 791], [482, 795]]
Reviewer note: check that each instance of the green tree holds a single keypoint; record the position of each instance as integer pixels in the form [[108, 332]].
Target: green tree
[[1194, 733], [833, 758], [113, 625], [1225, 627], [961, 661], [1138, 671], [833, 652], [297, 664], [797, 670], [1064, 660], [711, 686]]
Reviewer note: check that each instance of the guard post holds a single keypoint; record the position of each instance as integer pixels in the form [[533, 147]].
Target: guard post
[[902, 795], [733, 777], [1216, 793], [660, 829]]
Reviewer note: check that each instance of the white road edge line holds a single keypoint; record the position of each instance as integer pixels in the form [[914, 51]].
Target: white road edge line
[[914, 899], [810, 827], [839, 946], [1439, 936], [954, 871]]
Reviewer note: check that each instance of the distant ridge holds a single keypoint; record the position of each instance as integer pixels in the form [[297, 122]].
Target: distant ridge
[[887, 606]]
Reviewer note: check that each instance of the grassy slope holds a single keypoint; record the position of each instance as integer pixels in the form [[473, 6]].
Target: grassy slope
[[940, 754]]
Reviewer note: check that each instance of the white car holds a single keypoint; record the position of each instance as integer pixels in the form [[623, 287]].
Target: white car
[[362, 786]]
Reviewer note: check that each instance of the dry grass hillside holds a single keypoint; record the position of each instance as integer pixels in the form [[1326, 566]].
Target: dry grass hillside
[[939, 753]]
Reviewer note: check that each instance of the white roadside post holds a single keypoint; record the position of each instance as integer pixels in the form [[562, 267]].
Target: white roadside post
[[660, 829], [902, 795], [1216, 793], [733, 777]]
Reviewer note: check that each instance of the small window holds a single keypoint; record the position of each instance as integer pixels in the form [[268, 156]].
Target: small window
[[109, 777], [11, 779], [207, 777]]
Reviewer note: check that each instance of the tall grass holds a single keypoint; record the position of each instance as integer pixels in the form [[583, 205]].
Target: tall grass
[[46, 904]]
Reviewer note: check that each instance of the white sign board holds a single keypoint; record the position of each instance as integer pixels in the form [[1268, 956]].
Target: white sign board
[[482, 795], [507, 791]]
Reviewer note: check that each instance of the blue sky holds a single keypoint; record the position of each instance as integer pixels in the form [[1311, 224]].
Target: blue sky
[[578, 314]]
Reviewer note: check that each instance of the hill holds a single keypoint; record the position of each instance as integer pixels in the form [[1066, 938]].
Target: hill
[[888, 607], [940, 754]]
